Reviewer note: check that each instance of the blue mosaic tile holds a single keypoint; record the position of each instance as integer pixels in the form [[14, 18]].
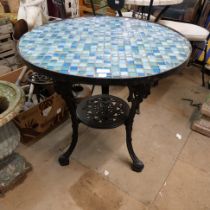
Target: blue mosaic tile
[[101, 47]]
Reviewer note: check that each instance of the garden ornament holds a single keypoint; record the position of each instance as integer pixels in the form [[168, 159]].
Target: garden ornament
[[32, 12]]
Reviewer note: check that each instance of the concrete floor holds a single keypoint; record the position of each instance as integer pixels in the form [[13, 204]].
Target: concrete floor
[[176, 174]]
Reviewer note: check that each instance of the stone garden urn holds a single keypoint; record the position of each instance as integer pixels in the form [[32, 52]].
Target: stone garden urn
[[12, 165]]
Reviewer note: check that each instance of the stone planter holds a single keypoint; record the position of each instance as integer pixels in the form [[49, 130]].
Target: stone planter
[[12, 166], [9, 139], [11, 101]]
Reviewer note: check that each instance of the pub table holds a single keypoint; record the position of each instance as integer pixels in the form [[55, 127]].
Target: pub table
[[104, 51]]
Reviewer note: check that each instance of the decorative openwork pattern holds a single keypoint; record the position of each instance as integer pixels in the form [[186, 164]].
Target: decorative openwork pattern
[[103, 111], [39, 79], [105, 47]]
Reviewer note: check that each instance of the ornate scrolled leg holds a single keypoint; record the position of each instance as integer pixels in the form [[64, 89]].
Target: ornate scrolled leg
[[136, 96], [65, 90], [137, 164]]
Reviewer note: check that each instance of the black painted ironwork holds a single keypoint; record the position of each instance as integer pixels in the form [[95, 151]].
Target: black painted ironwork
[[103, 111], [93, 7], [139, 89], [161, 13], [105, 89], [64, 88], [39, 79], [136, 96], [116, 5], [43, 85], [119, 13], [150, 9]]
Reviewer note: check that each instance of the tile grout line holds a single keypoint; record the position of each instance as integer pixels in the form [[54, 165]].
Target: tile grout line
[[188, 163], [170, 171]]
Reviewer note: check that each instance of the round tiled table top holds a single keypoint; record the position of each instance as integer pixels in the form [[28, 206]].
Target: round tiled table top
[[105, 48]]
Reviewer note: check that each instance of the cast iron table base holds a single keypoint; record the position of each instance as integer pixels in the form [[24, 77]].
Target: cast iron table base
[[92, 112]]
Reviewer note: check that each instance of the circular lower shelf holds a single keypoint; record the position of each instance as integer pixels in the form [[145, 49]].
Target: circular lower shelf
[[103, 111]]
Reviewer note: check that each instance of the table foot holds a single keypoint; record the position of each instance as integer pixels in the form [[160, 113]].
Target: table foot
[[137, 166], [63, 160]]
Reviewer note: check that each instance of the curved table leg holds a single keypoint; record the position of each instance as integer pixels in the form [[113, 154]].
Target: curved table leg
[[136, 96], [137, 164], [65, 90], [64, 158]]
